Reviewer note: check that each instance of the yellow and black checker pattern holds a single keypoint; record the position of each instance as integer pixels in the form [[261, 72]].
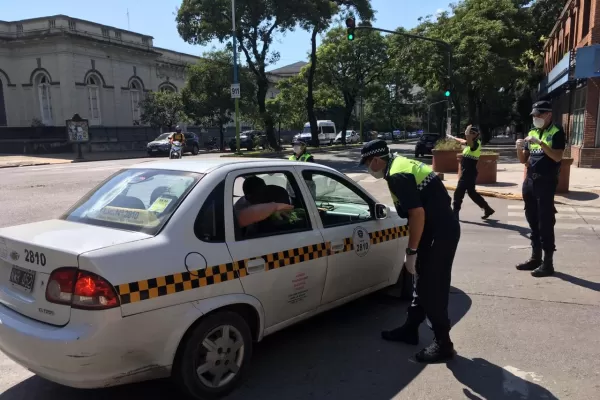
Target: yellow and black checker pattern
[[170, 284]]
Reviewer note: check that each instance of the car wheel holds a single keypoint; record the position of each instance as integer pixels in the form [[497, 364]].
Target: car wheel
[[214, 357], [249, 148], [195, 150]]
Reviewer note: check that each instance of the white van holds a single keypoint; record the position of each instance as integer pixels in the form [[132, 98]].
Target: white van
[[327, 131]]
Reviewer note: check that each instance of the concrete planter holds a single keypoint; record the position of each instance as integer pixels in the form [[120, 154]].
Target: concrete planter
[[444, 160], [564, 176], [487, 168]]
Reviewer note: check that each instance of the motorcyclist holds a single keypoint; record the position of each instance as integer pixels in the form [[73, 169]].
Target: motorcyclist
[[178, 136]]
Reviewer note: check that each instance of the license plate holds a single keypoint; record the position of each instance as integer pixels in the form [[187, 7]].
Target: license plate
[[23, 278], [154, 149]]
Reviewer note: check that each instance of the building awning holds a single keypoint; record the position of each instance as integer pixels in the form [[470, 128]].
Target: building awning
[[587, 62], [556, 78]]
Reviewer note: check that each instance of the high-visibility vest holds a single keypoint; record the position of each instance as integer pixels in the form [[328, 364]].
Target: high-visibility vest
[[545, 136], [303, 157], [473, 154], [423, 173]]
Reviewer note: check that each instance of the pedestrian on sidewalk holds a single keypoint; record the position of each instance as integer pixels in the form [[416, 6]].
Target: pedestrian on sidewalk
[[420, 196], [542, 152], [468, 176]]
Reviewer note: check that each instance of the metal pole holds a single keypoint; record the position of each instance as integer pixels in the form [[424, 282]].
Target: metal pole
[[235, 79], [362, 137]]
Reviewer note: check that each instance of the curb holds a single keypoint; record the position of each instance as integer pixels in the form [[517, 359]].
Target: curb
[[490, 193], [279, 154], [35, 164]]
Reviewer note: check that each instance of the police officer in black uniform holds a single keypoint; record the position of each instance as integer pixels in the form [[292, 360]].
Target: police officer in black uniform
[[542, 152], [420, 196]]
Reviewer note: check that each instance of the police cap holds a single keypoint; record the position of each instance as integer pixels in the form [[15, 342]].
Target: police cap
[[299, 141], [541, 107], [374, 148]]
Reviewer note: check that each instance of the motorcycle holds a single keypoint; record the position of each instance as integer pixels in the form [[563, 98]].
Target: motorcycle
[[176, 150]]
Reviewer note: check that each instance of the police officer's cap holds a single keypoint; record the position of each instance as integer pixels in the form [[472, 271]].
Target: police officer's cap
[[541, 107], [374, 148], [475, 129], [299, 142]]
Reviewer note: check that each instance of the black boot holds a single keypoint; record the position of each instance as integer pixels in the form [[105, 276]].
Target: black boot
[[534, 262], [547, 267], [439, 351], [488, 212], [407, 333]]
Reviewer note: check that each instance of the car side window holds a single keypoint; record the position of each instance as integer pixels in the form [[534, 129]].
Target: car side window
[[272, 187], [337, 201], [210, 222]]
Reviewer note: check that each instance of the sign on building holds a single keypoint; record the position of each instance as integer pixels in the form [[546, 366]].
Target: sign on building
[[78, 130], [235, 91]]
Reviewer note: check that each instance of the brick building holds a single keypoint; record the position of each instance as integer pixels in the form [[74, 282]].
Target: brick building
[[572, 81]]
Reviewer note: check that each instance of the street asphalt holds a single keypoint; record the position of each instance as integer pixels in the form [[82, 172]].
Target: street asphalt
[[517, 337]]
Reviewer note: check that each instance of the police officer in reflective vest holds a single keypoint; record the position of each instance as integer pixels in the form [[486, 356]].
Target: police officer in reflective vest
[[542, 152], [300, 153], [468, 175], [434, 232]]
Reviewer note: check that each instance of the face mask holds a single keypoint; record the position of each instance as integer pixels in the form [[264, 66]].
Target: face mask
[[376, 174], [538, 122], [297, 149]]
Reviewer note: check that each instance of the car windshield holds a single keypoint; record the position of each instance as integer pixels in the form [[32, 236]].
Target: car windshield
[[306, 129], [140, 200], [163, 136]]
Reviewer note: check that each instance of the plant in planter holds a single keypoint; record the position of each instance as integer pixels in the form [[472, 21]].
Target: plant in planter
[[444, 155], [487, 167]]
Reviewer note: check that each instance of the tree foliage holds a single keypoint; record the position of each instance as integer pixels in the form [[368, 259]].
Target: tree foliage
[[162, 109]]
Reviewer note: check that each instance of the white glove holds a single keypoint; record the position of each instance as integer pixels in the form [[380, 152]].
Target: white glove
[[532, 139], [520, 144], [410, 262]]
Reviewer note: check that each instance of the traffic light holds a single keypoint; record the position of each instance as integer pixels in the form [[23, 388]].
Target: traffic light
[[350, 25], [447, 93]]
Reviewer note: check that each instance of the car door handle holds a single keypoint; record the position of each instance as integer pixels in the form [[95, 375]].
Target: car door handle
[[337, 247], [256, 265]]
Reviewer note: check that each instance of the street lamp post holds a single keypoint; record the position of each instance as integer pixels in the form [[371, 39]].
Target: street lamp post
[[235, 80]]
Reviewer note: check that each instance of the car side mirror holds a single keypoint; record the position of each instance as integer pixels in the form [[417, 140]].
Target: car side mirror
[[381, 211]]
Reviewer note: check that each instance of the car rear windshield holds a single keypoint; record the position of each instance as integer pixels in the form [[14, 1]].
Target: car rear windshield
[[140, 200], [163, 136]]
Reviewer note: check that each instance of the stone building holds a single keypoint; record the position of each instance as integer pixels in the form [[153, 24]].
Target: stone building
[[53, 67]]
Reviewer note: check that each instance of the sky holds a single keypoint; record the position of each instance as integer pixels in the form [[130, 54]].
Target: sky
[[156, 18]]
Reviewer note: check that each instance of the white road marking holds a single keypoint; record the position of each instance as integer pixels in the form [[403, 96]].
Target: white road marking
[[515, 380], [558, 216], [561, 225], [590, 210]]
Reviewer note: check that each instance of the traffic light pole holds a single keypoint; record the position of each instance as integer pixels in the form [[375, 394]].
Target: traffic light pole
[[446, 45]]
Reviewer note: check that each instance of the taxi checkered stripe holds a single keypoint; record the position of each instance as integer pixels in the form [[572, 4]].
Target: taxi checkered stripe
[[170, 284]]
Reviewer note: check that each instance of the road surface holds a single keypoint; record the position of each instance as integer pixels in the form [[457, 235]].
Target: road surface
[[517, 337]]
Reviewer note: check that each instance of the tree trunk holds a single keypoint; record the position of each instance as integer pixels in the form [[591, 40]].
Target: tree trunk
[[350, 102], [263, 87], [310, 101], [222, 137]]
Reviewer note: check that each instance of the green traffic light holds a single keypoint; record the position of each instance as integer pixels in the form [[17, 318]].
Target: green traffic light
[[350, 36], [447, 94]]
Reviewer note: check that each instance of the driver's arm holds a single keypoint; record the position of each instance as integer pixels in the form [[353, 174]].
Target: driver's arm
[[255, 213]]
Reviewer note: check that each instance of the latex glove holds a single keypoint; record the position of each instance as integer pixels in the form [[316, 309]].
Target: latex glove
[[532, 139], [520, 144], [410, 262]]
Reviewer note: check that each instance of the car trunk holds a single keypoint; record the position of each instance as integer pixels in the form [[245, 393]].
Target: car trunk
[[29, 253]]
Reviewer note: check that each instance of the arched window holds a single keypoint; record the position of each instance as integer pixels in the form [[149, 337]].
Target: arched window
[[93, 86], [44, 98], [135, 89], [167, 88], [2, 106]]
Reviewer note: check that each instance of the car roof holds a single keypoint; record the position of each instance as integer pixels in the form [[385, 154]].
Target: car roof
[[205, 166]]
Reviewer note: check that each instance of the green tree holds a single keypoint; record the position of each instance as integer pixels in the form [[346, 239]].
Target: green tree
[[162, 109], [258, 22], [352, 67], [206, 96]]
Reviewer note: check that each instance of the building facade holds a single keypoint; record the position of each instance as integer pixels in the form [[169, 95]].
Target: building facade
[[54, 67], [572, 81]]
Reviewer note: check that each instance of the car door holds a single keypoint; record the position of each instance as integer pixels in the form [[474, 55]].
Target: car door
[[363, 249], [285, 267]]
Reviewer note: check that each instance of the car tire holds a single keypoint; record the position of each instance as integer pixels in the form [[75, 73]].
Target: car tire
[[195, 150], [249, 148], [192, 356]]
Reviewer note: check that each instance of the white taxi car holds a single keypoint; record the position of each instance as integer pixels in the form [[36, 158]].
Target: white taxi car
[[149, 275]]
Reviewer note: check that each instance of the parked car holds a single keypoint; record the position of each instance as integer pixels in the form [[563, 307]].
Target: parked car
[[162, 146], [426, 143], [247, 140], [351, 137], [150, 273], [385, 136]]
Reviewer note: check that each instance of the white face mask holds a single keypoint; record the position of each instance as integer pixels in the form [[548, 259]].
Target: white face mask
[[297, 149], [538, 122], [376, 174]]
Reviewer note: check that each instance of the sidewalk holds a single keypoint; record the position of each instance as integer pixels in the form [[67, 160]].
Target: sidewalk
[[584, 185], [9, 160]]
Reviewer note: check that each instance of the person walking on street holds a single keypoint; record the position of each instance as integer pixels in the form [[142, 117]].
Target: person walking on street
[[468, 176], [542, 151], [434, 233], [300, 153]]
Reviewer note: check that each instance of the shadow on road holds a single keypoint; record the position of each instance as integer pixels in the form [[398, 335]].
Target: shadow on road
[[493, 223], [492, 382], [579, 196], [337, 355], [595, 286]]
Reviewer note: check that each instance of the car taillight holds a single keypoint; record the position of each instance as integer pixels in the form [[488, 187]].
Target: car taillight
[[80, 289]]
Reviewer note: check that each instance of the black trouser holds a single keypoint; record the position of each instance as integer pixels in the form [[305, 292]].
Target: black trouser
[[538, 196], [432, 282], [467, 184]]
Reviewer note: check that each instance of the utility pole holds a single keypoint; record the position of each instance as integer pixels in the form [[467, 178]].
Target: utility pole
[[429, 112], [235, 88]]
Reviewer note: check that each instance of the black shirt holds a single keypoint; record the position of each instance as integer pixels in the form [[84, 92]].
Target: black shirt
[[434, 199], [539, 162], [469, 165]]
